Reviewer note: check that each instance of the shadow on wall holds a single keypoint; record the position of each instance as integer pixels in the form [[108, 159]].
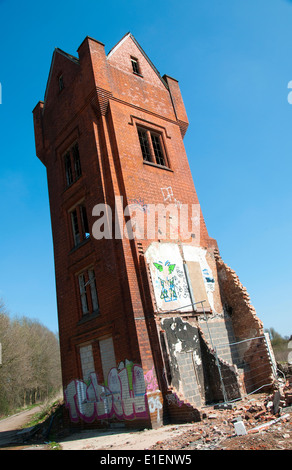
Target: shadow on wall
[[193, 367]]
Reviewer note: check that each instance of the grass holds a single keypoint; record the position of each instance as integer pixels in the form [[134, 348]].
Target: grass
[[54, 446]]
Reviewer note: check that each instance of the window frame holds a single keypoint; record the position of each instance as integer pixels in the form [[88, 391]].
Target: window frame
[[136, 69], [79, 224], [87, 291], [149, 134], [61, 82], [72, 164]]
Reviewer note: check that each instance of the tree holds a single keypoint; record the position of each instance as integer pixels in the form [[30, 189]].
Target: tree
[[279, 344], [30, 367]]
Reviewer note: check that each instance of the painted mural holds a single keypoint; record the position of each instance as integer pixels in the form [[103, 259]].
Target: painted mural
[[168, 278], [167, 281], [166, 264]]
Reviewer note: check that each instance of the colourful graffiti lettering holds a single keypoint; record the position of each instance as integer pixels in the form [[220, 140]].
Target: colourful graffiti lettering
[[95, 401], [124, 396]]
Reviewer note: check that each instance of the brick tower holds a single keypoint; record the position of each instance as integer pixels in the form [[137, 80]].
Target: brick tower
[[144, 298]]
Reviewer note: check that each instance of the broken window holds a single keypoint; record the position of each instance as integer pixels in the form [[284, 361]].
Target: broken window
[[68, 169], [83, 294], [76, 157], [88, 292], [72, 164], [152, 147], [80, 225], [61, 82], [135, 66]]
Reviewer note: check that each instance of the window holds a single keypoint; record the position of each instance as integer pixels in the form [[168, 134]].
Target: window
[[156, 142], [135, 66], [80, 225], [76, 158], [72, 164], [144, 145], [61, 82], [88, 292], [68, 169], [152, 148]]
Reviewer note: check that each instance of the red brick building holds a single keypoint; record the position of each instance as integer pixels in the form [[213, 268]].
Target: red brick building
[[138, 345]]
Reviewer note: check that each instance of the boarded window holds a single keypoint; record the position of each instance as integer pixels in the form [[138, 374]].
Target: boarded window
[[87, 361], [107, 354], [197, 284]]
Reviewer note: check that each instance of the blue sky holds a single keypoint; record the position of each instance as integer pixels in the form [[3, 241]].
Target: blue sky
[[233, 60]]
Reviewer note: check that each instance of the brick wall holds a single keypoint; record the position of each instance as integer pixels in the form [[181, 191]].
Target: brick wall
[[102, 105]]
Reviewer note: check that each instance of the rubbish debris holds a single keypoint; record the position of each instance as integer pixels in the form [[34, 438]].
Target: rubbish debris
[[266, 425], [250, 423], [240, 428]]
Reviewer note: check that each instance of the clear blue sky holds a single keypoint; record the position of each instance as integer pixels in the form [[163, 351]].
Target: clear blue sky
[[233, 60]]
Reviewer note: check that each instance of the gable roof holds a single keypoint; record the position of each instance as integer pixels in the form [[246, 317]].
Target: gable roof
[[65, 54], [111, 52], [130, 35]]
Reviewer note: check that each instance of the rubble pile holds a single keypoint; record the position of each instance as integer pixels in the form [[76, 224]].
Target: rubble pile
[[288, 392], [282, 395], [260, 422]]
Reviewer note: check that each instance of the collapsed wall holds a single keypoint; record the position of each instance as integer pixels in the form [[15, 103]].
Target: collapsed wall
[[247, 328], [214, 350]]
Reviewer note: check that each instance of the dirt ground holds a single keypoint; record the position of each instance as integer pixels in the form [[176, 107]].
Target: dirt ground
[[264, 430], [216, 431]]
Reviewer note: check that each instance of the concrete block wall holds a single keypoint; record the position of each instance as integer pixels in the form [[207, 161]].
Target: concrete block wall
[[219, 333]]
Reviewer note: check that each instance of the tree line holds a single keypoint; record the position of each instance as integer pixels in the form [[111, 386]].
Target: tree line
[[280, 344], [30, 369]]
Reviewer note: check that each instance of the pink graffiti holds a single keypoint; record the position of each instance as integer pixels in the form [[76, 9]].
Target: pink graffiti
[[151, 382], [95, 401]]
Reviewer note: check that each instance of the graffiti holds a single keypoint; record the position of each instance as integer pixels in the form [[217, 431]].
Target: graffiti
[[118, 398], [168, 292], [139, 204], [168, 276], [155, 405], [150, 380], [209, 279], [124, 395], [182, 287], [168, 195]]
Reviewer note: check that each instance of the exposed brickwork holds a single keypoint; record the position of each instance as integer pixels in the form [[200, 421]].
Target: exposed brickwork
[[101, 107]]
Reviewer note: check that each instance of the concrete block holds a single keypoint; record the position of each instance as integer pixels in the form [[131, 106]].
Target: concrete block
[[240, 428]]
